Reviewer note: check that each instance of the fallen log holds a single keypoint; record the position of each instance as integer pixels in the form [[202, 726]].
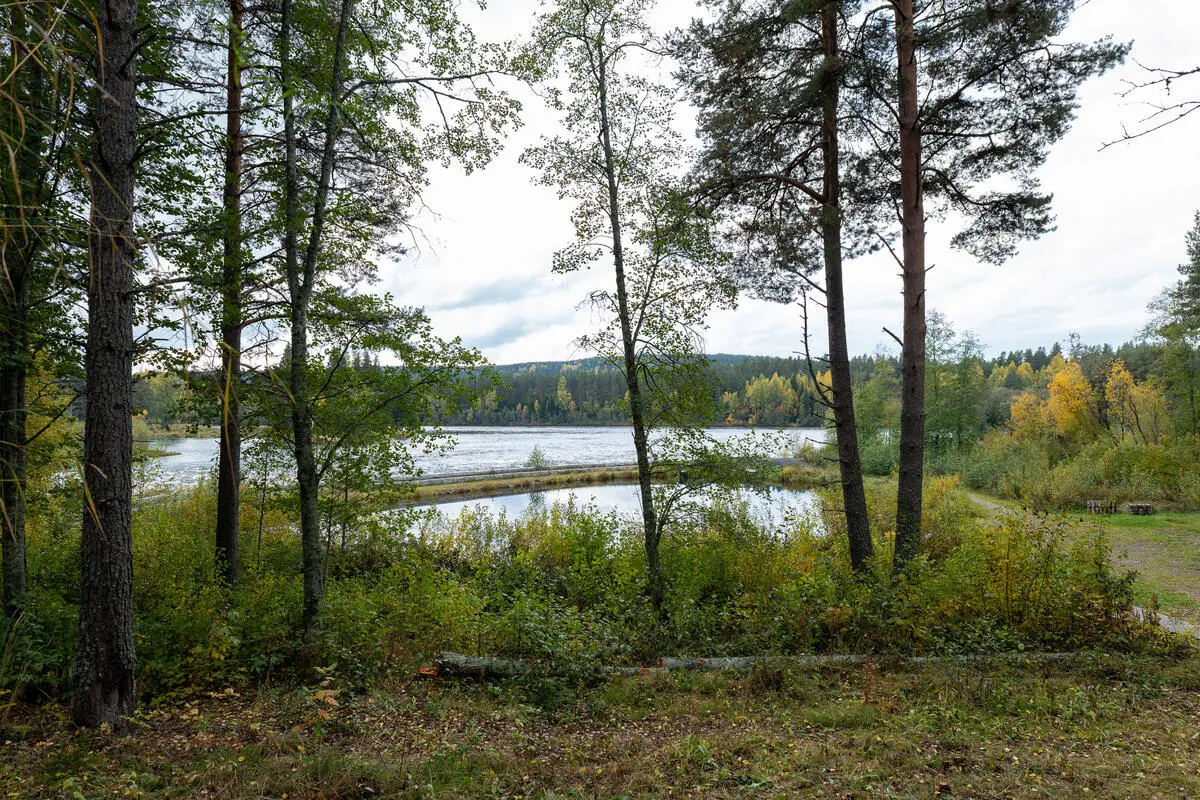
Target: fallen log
[[457, 665]]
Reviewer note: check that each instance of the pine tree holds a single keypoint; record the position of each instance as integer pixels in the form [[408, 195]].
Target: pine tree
[[768, 78], [968, 105], [104, 659]]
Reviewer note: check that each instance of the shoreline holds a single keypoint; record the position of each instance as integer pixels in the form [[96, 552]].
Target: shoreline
[[501, 485]]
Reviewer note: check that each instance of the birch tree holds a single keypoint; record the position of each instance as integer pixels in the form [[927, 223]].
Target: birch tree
[[619, 162], [358, 85]]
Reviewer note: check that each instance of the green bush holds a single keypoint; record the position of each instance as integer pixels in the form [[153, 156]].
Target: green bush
[[1046, 478], [565, 588], [879, 454]]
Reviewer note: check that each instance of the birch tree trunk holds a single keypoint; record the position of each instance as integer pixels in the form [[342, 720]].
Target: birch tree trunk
[[301, 274], [637, 411]]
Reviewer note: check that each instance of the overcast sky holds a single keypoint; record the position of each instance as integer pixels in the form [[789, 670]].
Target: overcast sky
[[483, 270]]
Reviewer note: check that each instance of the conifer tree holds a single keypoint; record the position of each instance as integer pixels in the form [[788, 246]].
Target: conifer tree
[[962, 114], [768, 78], [104, 658]]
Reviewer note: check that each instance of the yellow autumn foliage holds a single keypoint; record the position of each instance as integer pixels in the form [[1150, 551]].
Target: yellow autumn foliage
[[1027, 418], [1071, 403], [1139, 409]]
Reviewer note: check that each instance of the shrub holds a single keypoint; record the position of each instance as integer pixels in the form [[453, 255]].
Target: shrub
[[1042, 474], [565, 588]]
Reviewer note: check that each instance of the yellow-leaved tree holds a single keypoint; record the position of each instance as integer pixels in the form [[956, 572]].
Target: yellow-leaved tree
[[1071, 407], [1139, 409], [1027, 417]]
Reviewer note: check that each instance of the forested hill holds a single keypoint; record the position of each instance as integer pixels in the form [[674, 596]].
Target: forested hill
[[746, 390], [760, 390], [773, 363], [765, 390]]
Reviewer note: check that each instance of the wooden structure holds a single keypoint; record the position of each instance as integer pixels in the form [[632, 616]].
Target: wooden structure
[[1102, 506], [1141, 509]]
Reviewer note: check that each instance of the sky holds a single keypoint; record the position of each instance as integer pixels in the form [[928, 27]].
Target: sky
[[481, 263]]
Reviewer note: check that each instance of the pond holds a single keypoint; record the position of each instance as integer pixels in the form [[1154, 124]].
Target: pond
[[772, 507], [476, 449]]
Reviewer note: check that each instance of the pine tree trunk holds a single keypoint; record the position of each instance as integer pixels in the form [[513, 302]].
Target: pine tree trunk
[[912, 354], [229, 464], [858, 525], [13, 376], [24, 199], [637, 411], [105, 659]]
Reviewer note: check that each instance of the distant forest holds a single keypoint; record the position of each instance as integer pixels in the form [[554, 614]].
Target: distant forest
[[746, 390]]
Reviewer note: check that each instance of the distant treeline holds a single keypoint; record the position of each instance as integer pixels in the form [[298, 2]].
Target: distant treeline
[[746, 390]]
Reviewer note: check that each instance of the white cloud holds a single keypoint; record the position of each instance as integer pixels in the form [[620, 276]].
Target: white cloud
[[1122, 213]]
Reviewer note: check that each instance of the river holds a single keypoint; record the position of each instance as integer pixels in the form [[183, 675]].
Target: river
[[476, 449]]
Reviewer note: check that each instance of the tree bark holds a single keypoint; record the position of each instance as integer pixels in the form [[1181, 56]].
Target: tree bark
[[23, 198], [854, 498], [637, 411], [14, 306], [912, 354], [229, 464], [105, 660]]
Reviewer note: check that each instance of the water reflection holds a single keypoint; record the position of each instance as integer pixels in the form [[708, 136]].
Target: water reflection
[[775, 507]]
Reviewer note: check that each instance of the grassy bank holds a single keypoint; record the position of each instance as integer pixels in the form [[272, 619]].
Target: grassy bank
[[1164, 549], [1098, 727], [516, 484], [793, 476], [237, 705]]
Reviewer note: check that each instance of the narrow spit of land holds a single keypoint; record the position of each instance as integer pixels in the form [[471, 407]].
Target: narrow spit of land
[[497, 482]]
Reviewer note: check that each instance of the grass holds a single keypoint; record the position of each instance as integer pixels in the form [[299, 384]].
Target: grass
[[1164, 548], [1099, 725], [1103, 727]]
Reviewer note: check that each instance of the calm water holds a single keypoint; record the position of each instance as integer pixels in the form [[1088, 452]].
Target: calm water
[[477, 449], [772, 508]]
